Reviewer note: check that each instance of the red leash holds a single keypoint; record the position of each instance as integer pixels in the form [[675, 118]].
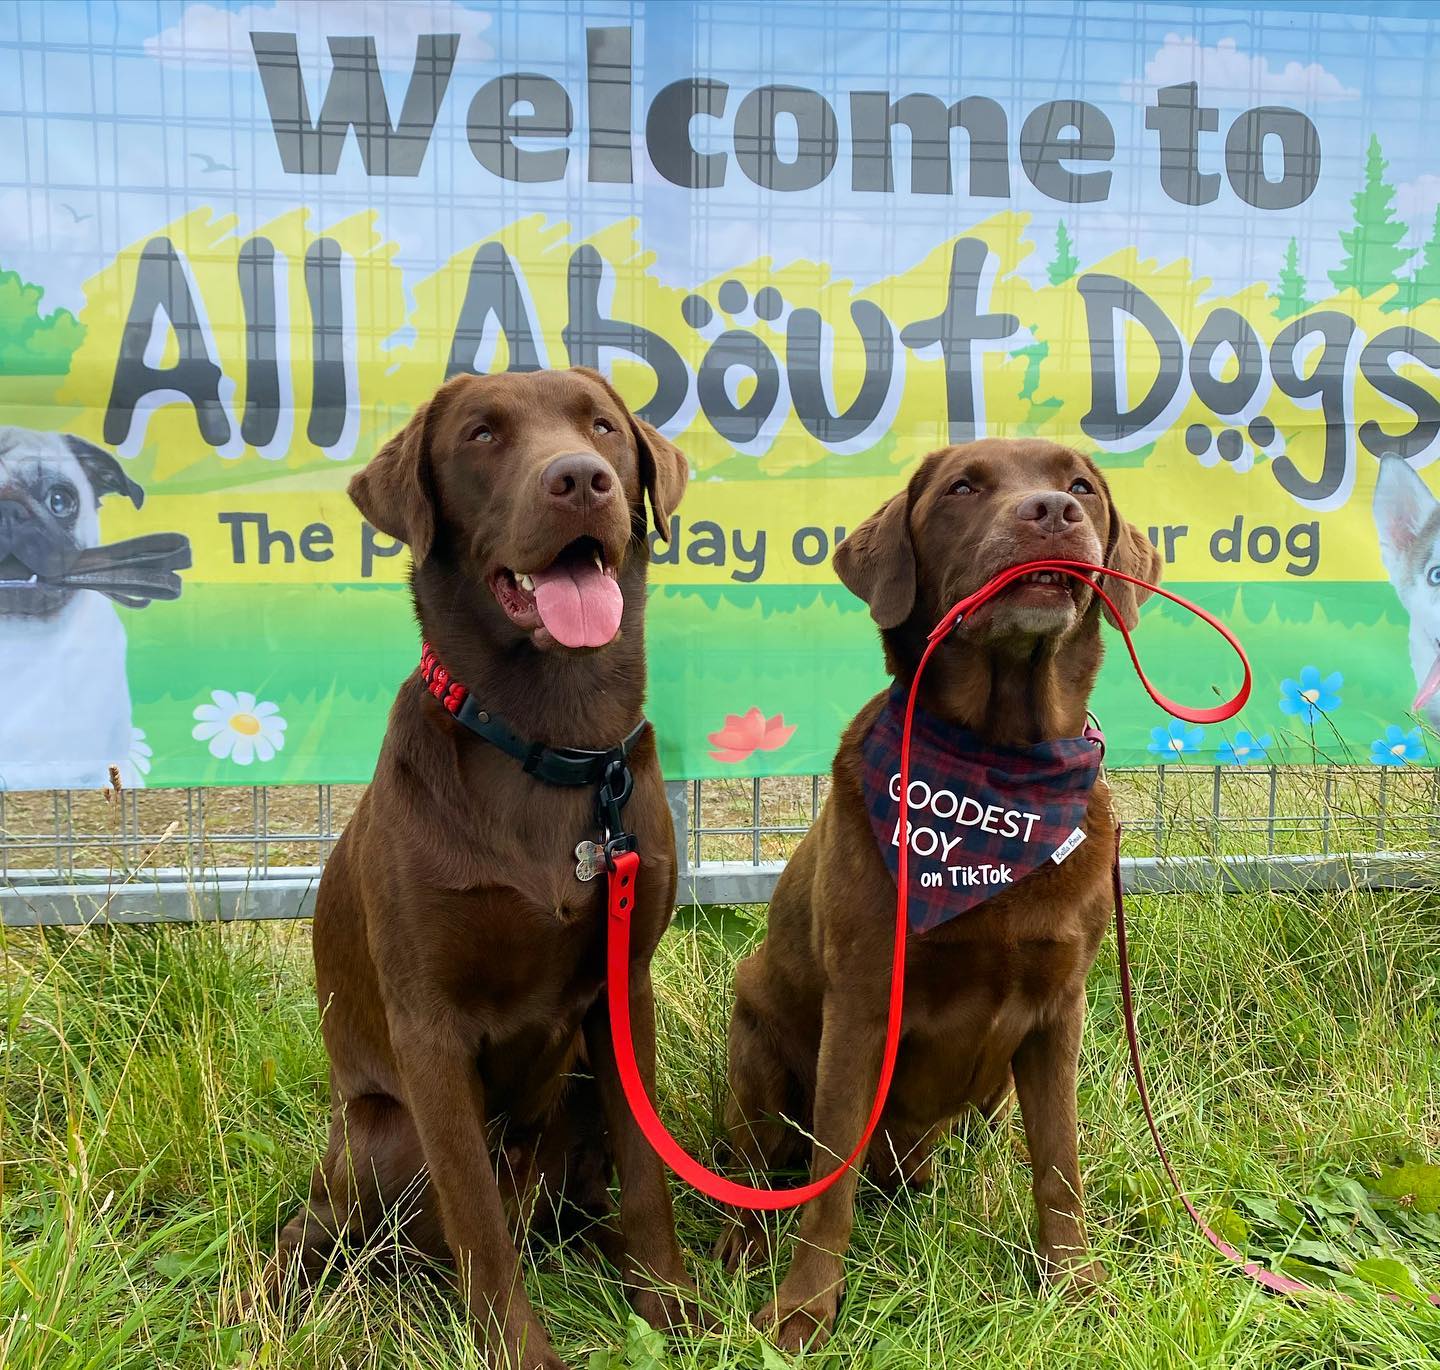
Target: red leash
[[626, 865]]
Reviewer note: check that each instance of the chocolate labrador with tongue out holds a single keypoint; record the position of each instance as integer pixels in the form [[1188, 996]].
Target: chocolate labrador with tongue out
[[459, 945]]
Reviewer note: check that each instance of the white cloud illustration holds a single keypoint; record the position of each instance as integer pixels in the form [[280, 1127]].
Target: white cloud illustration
[[1415, 201], [219, 37], [1223, 70]]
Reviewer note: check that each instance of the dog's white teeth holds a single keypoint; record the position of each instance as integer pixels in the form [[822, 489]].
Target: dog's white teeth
[[526, 583], [599, 560]]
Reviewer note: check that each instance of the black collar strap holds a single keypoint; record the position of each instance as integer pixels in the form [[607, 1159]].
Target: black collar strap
[[553, 765]]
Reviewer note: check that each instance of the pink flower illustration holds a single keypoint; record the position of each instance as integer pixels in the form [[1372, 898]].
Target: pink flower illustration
[[749, 732]]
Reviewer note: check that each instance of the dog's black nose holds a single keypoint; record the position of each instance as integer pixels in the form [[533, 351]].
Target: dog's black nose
[[1054, 511], [579, 480]]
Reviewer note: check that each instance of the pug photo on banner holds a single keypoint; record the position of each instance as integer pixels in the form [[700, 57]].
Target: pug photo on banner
[[64, 695]]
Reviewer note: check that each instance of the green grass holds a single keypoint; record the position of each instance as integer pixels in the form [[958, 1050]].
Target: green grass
[[164, 1098]]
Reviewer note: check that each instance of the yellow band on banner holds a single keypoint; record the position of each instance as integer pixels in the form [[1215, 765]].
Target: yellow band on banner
[[720, 537]]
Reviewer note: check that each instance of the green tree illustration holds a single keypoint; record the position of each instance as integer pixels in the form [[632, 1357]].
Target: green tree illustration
[[1425, 283], [31, 343], [1289, 292], [1038, 410], [1065, 263], [1372, 256]]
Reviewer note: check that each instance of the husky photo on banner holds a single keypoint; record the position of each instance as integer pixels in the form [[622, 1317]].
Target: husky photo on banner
[[809, 242]]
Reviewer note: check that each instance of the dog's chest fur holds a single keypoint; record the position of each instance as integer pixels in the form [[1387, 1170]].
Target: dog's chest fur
[[476, 911]]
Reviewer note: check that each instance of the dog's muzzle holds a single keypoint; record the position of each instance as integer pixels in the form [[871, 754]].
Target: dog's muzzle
[[25, 543]]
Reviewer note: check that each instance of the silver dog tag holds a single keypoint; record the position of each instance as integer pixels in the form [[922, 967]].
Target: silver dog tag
[[589, 858]]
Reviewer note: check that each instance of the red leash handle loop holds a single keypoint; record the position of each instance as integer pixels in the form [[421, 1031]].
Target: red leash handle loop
[[1083, 571], [626, 873]]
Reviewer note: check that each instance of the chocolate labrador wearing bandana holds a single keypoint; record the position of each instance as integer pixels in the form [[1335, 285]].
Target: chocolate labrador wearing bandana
[[996, 996]]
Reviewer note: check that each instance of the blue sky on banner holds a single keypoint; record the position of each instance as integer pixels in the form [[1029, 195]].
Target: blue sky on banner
[[118, 117]]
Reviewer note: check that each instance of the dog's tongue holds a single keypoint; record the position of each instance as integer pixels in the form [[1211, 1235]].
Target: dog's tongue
[[1430, 687], [578, 603]]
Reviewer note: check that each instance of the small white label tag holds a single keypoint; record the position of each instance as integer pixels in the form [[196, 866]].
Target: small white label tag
[[1068, 845]]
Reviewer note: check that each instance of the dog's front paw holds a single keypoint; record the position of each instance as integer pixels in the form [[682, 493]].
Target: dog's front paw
[[742, 1239], [1073, 1274], [798, 1323]]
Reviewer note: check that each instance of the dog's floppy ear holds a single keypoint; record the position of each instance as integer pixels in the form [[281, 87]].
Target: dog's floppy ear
[[105, 474], [1128, 550], [1403, 503], [393, 489], [664, 472], [877, 562]]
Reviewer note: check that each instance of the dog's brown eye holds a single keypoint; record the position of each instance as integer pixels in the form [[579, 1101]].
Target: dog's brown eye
[[1081, 487], [61, 501], [480, 433], [962, 487], [604, 426]]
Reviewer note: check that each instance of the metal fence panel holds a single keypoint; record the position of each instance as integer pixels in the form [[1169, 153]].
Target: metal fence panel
[[74, 858]]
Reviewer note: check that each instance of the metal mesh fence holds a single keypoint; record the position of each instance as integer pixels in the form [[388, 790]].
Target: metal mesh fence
[[65, 835], [1168, 811], [75, 856]]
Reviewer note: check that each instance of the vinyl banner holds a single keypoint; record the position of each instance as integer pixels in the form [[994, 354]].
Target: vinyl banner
[[240, 243]]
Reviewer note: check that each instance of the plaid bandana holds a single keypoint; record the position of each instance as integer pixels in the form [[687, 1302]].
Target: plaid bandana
[[981, 818]]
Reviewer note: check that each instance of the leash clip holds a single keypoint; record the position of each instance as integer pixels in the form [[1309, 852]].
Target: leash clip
[[621, 842], [616, 787]]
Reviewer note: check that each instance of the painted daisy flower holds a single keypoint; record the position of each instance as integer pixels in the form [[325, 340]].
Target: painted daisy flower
[[1174, 742], [1397, 747], [235, 725], [1245, 748], [1311, 696]]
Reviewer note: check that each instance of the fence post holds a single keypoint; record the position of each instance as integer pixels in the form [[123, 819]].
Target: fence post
[[677, 794]]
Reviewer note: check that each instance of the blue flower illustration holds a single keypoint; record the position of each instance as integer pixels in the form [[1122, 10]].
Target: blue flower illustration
[[1245, 748], [1397, 747], [1310, 696], [1176, 740]]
